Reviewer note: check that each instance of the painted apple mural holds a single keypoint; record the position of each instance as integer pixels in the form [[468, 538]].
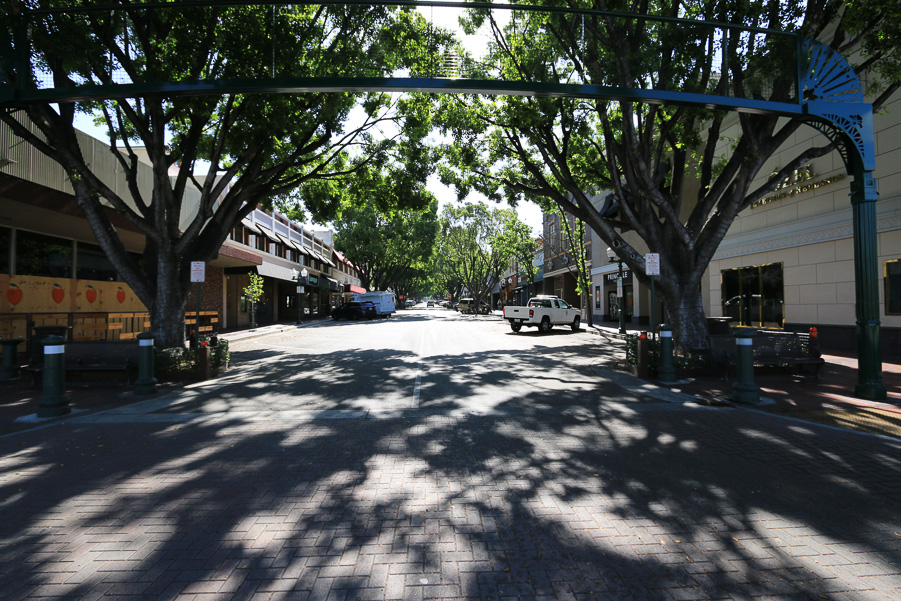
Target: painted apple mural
[[120, 295], [14, 294], [90, 294], [58, 293]]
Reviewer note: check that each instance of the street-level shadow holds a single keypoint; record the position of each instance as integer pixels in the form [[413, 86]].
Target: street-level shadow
[[604, 497]]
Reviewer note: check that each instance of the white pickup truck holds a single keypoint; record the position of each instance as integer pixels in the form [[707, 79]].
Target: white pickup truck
[[544, 312]]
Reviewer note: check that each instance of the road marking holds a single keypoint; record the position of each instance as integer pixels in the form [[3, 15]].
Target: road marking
[[417, 384]]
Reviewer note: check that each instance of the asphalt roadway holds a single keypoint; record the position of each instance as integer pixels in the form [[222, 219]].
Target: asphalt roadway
[[439, 456]]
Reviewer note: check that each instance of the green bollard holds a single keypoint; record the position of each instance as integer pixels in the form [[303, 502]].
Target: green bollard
[[10, 369], [54, 401], [146, 383], [666, 373], [745, 390]]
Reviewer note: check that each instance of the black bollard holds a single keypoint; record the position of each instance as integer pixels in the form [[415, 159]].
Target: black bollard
[[666, 373], [745, 390], [146, 383], [54, 401], [10, 369]]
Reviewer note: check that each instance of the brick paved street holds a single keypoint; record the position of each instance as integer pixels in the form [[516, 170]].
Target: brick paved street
[[632, 502], [609, 496]]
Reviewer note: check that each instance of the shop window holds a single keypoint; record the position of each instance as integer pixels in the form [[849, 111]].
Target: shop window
[[893, 287], [243, 304], [597, 297], [754, 296], [91, 263], [37, 254], [6, 240]]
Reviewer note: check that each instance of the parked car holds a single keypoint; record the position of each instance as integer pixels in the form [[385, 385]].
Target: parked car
[[430, 303], [467, 305], [354, 310]]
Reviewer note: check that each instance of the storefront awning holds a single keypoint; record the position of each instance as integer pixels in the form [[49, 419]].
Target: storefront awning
[[251, 226], [332, 283], [271, 270], [284, 239], [323, 258], [301, 248], [268, 233], [356, 289]]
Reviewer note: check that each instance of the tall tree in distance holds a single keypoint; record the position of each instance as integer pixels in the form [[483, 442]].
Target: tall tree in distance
[[387, 228], [476, 243]]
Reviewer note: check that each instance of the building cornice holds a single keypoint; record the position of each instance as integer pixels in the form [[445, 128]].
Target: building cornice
[[823, 228]]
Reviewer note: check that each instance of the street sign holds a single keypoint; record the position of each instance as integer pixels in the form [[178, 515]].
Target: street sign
[[300, 290], [652, 264], [198, 271]]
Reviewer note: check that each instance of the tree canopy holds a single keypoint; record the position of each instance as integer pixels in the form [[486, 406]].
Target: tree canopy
[[258, 147], [674, 187], [387, 230], [474, 247]]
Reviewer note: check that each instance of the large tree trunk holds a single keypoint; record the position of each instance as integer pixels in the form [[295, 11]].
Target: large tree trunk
[[685, 311], [167, 305], [167, 316]]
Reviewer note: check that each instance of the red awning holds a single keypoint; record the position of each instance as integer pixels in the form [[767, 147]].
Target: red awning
[[357, 289]]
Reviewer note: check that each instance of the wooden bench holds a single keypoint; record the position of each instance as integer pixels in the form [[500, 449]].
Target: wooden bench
[[768, 348], [94, 356]]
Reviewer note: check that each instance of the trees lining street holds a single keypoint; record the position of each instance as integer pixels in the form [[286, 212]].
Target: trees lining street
[[650, 157]]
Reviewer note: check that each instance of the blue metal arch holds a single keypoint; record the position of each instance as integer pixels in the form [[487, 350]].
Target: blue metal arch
[[829, 98]]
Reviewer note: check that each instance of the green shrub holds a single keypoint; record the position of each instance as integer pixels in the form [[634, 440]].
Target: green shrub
[[176, 363], [219, 355], [181, 363], [685, 361]]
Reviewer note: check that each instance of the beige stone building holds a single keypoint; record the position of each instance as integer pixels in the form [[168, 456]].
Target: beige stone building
[[788, 261]]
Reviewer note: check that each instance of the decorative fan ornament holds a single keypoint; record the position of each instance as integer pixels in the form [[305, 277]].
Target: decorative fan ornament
[[827, 75]]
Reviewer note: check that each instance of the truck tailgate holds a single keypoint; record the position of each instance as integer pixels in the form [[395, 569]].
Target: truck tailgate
[[516, 312]]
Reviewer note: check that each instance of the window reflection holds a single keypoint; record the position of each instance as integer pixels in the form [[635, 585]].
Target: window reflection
[[37, 254], [754, 296]]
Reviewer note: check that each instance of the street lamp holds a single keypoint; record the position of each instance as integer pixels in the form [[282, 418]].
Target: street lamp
[[299, 278], [612, 256]]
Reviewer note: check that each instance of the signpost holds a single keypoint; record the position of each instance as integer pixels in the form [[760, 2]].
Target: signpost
[[652, 268], [198, 274]]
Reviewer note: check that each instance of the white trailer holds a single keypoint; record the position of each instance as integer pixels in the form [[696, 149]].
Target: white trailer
[[385, 302]]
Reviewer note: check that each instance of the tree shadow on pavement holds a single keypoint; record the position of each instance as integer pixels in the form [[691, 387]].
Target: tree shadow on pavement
[[608, 495]]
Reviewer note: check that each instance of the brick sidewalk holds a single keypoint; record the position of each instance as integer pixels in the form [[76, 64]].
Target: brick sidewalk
[[631, 501]]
